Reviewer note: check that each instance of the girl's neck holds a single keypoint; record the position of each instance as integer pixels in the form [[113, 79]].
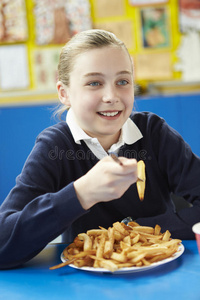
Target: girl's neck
[[107, 141]]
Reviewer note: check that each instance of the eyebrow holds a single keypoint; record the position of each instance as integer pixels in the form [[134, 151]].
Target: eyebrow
[[101, 74]]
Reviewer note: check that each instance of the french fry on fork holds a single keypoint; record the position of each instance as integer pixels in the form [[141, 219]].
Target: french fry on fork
[[141, 183]]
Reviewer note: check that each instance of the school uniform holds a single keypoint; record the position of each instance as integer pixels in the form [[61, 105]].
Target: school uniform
[[43, 204]]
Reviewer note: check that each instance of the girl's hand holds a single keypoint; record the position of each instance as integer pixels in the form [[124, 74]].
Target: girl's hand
[[106, 181]]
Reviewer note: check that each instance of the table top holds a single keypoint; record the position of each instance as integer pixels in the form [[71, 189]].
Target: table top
[[178, 279]]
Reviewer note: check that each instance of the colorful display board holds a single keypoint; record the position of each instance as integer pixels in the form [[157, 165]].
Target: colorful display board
[[32, 33]]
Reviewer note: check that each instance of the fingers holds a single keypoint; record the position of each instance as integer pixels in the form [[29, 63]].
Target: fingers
[[118, 173], [106, 181], [127, 166]]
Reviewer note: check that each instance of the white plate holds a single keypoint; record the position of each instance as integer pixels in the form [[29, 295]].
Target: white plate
[[130, 269]]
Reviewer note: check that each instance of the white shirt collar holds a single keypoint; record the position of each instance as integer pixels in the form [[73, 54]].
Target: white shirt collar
[[130, 134], [77, 132]]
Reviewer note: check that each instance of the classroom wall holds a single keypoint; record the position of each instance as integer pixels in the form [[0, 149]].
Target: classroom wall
[[20, 125], [154, 42]]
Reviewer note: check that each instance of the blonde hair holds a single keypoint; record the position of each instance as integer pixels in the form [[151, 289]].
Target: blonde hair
[[80, 43]]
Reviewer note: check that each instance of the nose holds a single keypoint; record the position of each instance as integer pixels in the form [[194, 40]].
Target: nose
[[110, 95]]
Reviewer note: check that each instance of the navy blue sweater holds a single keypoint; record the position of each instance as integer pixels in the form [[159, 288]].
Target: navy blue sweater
[[43, 204]]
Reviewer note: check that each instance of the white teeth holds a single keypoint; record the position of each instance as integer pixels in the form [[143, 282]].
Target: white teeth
[[109, 114]]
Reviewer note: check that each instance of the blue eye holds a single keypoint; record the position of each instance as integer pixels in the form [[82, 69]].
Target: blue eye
[[94, 83], [122, 82]]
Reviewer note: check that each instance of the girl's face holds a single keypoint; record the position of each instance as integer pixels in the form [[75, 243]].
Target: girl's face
[[101, 92]]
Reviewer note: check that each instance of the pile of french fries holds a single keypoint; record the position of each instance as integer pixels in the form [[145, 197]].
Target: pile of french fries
[[120, 246]]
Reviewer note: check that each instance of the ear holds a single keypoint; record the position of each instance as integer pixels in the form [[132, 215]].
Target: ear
[[62, 94]]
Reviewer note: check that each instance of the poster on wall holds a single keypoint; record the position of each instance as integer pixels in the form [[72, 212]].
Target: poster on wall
[[146, 2], [155, 32], [111, 8], [13, 24], [57, 21], [189, 57], [14, 72], [153, 66], [122, 29], [45, 67], [189, 15]]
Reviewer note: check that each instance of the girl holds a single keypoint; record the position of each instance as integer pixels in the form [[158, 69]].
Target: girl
[[70, 184]]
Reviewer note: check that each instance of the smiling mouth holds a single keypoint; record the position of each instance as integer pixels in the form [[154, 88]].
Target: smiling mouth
[[109, 113]]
